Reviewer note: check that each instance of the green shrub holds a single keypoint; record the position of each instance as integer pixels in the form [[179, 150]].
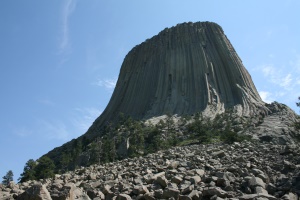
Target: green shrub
[[230, 137]]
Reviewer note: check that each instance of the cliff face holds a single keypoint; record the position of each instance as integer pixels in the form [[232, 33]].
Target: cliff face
[[186, 69], [189, 68]]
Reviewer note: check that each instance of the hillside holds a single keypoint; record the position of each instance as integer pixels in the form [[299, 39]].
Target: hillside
[[178, 93]]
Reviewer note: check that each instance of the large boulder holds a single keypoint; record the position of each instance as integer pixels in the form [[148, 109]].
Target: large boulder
[[36, 192]]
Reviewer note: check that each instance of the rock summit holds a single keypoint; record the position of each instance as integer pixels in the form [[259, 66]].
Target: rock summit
[[186, 69]]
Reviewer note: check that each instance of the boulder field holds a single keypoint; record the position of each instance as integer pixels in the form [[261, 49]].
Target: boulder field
[[242, 171]]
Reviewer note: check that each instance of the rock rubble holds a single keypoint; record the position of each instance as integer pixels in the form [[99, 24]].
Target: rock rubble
[[216, 171]]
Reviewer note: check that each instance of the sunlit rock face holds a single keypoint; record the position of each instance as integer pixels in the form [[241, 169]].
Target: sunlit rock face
[[183, 70], [189, 68]]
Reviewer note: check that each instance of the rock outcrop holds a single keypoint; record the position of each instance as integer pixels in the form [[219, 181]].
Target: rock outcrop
[[35, 192], [186, 69], [239, 171], [276, 127]]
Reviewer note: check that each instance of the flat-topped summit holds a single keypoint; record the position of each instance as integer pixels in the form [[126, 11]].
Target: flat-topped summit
[[186, 69], [192, 74]]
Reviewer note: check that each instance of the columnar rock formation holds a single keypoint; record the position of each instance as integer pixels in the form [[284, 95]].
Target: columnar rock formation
[[183, 70], [189, 68]]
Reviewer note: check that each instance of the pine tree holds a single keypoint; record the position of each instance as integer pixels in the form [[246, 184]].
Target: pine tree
[[105, 150], [113, 151], [136, 138], [45, 168], [96, 151], [28, 172], [8, 178], [77, 148], [153, 138], [170, 125], [65, 160]]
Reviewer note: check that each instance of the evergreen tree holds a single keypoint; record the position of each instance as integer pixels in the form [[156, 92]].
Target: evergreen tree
[[153, 138], [136, 138], [113, 151], [65, 160], [202, 128], [106, 148], [7, 178], [171, 131], [197, 126], [45, 168], [28, 172], [170, 125], [77, 148], [96, 151]]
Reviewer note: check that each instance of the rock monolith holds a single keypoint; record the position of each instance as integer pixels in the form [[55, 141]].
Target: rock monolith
[[186, 69]]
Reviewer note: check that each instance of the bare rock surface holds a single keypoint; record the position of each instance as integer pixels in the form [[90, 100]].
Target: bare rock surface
[[185, 69], [276, 127], [35, 192], [264, 172]]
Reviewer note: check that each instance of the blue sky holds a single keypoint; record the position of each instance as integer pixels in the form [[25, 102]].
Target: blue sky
[[60, 59]]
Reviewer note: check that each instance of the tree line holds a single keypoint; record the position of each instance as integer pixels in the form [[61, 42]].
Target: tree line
[[142, 138]]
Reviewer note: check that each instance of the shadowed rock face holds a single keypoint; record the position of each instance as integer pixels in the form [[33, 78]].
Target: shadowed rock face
[[189, 68]]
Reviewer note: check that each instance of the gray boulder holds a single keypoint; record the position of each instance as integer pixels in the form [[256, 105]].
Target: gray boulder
[[36, 192]]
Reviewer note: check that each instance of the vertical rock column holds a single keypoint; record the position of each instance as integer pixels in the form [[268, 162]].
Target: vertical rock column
[[189, 68]]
